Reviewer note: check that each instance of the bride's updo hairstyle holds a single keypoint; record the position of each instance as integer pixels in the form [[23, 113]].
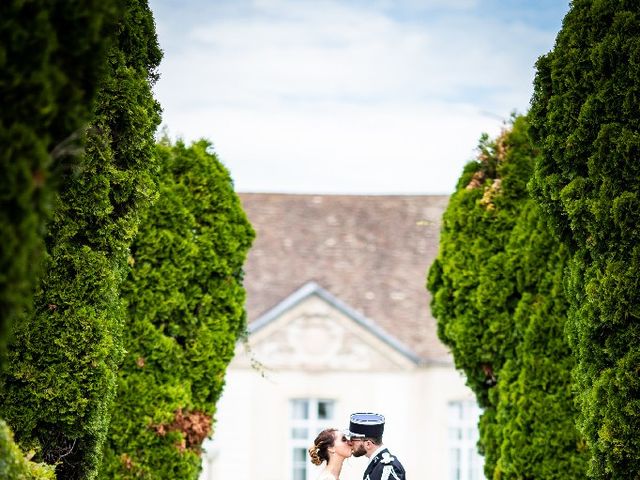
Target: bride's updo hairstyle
[[319, 452]]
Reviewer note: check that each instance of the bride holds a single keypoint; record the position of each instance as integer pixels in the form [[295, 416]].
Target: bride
[[330, 446]]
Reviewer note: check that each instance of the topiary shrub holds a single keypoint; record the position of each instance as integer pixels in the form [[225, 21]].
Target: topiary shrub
[[52, 55], [186, 306], [586, 116], [535, 402], [500, 306], [61, 379], [472, 300]]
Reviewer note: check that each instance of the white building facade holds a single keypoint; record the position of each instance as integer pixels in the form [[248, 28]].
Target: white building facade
[[313, 361], [338, 322]]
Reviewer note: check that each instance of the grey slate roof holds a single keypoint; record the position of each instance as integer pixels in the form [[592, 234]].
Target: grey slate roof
[[370, 251]]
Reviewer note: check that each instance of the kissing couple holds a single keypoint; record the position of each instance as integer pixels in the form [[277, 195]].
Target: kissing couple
[[364, 437]]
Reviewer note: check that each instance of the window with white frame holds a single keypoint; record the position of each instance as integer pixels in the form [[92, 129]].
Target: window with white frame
[[465, 463], [308, 418]]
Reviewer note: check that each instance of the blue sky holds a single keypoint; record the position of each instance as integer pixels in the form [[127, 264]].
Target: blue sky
[[348, 96]]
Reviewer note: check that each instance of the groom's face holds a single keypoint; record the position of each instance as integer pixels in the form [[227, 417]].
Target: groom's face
[[357, 446]]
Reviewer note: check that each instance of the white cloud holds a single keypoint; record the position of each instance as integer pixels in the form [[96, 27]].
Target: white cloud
[[336, 97], [338, 148]]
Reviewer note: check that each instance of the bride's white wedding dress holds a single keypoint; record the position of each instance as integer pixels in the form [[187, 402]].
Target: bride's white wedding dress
[[326, 476]]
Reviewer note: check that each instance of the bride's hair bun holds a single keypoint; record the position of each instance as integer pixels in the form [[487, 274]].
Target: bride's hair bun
[[319, 452], [315, 456]]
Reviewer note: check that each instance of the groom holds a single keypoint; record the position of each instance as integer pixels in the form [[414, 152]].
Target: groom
[[365, 438]]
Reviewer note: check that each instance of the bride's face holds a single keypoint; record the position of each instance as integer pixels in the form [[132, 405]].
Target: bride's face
[[341, 444]]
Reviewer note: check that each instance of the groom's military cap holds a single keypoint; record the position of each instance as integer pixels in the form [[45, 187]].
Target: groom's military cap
[[363, 425]]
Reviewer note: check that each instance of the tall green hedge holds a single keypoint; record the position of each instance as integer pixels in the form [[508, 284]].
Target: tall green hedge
[[51, 57], [52, 54], [498, 298], [473, 300], [536, 410], [60, 383], [586, 115], [186, 307]]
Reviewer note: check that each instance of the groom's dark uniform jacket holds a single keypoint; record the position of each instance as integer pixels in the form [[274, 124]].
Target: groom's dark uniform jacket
[[384, 466]]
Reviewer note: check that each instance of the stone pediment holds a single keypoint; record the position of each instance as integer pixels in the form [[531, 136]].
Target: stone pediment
[[312, 330]]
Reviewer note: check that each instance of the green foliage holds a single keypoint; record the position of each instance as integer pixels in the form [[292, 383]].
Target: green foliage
[[61, 378], [472, 300], [14, 465], [586, 115], [51, 57], [535, 406], [186, 304], [498, 297]]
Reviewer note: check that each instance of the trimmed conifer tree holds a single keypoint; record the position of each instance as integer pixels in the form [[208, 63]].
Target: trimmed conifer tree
[[497, 295], [51, 57], [473, 300], [61, 377], [586, 116], [536, 410], [186, 308], [465, 279]]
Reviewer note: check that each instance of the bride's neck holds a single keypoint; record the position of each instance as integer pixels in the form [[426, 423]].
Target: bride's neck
[[335, 466]]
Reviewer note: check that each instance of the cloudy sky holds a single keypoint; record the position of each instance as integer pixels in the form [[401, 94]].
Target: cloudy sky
[[348, 96]]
